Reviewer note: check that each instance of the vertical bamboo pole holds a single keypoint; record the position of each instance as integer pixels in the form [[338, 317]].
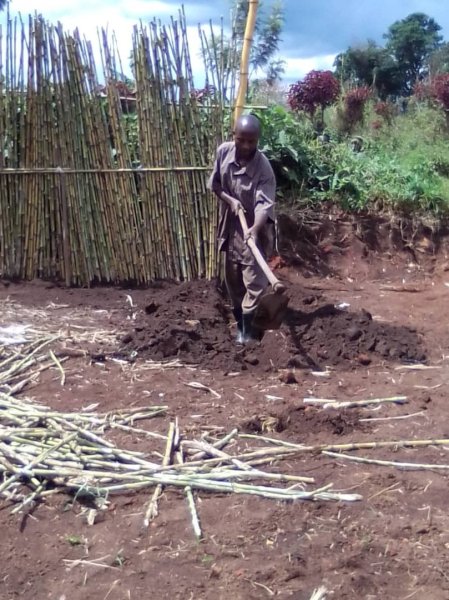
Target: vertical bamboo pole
[[244, 62], [65, 227]]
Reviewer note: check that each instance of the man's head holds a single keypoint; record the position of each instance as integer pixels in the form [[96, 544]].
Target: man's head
[[246, 136]]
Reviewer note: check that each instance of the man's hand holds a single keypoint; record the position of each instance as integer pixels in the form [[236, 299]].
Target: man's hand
[[234, 205], [260, 219]]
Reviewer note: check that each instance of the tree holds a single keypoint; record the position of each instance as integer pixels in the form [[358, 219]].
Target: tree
[[266, 44], [388, 79], [357, 64], [222, 54], [372, 66], [411, 41], [318, 89], [3, 4], [439, 60], [274, 71]]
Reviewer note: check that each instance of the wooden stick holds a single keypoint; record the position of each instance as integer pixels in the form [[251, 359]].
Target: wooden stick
[[297, 448], [220, 444], [397, 418], [324, 403], [213, 451], [195, 520], [274, 281], [319, 594], [388, 463], [152, 510], [59, 366]]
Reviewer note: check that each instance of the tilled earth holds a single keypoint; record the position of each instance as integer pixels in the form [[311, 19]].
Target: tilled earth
[[394, 543], [192, 322]]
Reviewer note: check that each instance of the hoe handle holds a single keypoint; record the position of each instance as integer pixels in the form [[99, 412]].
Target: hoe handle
[[278, 287]]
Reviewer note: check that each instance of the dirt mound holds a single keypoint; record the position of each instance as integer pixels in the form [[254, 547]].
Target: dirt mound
[[330, 335], [193, 322], [304, 421], [188, 321], [308, 421]]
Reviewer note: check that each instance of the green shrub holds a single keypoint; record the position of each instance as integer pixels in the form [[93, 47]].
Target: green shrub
[[404, 162], [285, 142]]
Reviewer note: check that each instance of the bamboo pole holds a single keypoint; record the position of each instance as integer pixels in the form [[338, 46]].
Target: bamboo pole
[[244, 61]]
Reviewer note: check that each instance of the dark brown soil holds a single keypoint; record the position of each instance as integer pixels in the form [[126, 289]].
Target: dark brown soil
[[193, 322], [393, 544], [189, 321]]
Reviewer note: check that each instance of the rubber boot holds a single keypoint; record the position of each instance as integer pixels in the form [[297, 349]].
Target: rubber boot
[[249, 334], [237, 312]]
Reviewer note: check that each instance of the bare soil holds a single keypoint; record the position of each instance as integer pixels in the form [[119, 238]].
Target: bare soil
[[392, 544], [192, 322]]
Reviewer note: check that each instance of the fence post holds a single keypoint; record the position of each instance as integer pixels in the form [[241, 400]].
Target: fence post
[[65, 227], [244, 60]]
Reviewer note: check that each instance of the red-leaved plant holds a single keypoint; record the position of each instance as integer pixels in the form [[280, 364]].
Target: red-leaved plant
[[384, 110], [352, 111], [318, 89], [441, 90], [435, 92], [355, 101], [423, 90]]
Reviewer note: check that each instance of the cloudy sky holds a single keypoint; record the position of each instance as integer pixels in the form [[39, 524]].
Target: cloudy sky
[[315, 30]]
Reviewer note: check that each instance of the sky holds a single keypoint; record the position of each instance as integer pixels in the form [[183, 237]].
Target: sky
[[315, 31]]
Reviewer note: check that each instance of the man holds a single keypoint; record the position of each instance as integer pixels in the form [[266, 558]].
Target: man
[[243, 179]]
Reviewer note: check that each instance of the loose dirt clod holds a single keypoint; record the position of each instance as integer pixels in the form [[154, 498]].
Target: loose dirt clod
[[193, 322], [288, 377], [303, 423]]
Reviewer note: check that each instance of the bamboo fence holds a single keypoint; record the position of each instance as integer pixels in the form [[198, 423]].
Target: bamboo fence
[[95, 187]]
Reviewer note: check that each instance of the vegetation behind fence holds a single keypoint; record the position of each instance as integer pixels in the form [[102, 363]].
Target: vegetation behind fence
[[84, 197]]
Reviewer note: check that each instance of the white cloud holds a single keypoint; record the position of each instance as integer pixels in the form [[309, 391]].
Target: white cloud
[[119, 17], [297, 68]]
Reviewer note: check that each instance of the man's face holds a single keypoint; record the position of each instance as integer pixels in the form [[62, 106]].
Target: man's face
[[245, 143]]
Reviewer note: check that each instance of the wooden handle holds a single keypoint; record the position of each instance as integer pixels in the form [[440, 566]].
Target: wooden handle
[[278, 287]]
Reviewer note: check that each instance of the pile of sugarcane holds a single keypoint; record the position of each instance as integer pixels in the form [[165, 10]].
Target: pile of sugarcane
[[44, 452], [85, 195], [21, 365], [43, 448]]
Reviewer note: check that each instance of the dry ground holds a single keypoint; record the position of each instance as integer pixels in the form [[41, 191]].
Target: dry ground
[[394, 543]]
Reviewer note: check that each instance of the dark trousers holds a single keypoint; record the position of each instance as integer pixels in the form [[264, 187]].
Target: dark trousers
[[245, 285]]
